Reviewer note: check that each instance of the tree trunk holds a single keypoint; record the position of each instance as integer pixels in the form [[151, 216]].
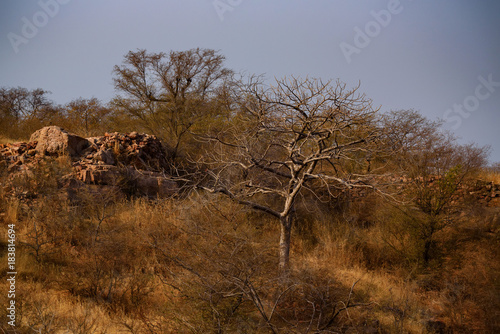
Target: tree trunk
[[286, 230], [428, 243], [427, 251]]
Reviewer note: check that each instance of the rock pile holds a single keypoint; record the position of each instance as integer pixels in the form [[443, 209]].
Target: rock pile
[[13, 156], [486, 192], [133, 161], [140, 151]]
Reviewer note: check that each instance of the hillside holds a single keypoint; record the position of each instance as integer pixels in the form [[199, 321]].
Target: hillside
[[108, 240]]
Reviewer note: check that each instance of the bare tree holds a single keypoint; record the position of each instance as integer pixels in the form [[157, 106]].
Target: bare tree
[[21, 103], [297, 136], [22, 111], [86, 116], [169, 94]]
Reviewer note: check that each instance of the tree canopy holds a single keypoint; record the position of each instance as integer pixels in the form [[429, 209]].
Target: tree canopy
[[294, 136], [170, 94]]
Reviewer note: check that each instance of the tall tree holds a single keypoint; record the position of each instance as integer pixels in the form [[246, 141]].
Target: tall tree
[[297, 136], [170, 94]]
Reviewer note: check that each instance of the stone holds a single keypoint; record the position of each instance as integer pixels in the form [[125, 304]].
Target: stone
[[106, 156], [53, 140]]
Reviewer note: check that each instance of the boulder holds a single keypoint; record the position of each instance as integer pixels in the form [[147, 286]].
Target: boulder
[[53, 140]]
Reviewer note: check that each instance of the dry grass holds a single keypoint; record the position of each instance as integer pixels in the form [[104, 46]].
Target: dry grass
[[44, 310], [395, 303], [111, 265], [490, 176], [458, 291], [7, 140]]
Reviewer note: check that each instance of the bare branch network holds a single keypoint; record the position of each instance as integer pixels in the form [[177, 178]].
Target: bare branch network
[[286, 137]]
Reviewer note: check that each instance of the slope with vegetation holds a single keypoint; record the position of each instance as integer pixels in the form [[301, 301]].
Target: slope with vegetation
[[297, 208]]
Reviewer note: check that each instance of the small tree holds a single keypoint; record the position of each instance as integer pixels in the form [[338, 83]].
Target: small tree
[[436, 168], [294, 137]]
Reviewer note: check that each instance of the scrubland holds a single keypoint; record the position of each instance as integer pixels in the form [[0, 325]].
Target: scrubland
[[99, 262], [298, 207]]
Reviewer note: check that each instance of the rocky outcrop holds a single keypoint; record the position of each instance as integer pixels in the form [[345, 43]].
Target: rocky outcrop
[[53, 140], [134, 162]]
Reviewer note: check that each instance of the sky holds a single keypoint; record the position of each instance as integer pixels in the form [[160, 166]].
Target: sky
[[439, 57]]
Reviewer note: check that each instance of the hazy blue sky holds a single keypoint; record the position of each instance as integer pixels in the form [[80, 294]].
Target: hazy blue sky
[[441, 57]]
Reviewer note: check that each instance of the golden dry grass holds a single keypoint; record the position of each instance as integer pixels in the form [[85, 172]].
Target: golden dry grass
[[7, 140], [201, 240], [394, 301], [490, 176]]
